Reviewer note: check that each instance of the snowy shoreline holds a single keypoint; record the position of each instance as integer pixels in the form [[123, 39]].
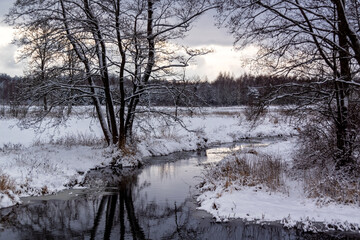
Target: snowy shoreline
[[289, 207], [56, 163], [50, 158]]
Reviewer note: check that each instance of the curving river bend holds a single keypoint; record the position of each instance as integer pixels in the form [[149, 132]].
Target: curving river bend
[[154, 202]]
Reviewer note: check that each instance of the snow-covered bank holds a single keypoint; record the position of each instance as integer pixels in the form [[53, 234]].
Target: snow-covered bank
[[210, 126], [48, 169], [49, 159], [259, 203], [252, 204]]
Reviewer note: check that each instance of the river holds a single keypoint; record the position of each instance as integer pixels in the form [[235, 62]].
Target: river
[[157, 201]]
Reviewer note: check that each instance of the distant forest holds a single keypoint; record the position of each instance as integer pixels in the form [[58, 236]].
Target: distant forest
[[225, 90]]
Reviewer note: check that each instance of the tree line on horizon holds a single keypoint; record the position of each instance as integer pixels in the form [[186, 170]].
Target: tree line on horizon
[[224, 91]]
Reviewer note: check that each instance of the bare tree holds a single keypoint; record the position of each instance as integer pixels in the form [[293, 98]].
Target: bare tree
[[313, 39], [130, 38], [39, 49]]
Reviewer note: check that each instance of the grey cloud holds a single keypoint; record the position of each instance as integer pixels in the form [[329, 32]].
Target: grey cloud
[[5, 6], [205, 32], [7, 62]]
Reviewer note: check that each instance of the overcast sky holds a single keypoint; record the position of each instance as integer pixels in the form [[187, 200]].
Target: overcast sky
[[204, 34]]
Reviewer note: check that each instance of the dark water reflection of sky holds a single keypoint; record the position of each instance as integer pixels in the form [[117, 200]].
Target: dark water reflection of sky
[[155, 202]]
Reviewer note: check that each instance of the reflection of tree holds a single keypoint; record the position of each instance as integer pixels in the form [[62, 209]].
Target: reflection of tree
[[182, 230], [110, 212], [98, 217], [167, 170], [122, 201], [125, 213], [136, 230], [49, 219]]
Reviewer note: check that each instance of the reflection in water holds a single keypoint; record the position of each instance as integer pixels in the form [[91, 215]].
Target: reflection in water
[[217, 154], [156, 202]]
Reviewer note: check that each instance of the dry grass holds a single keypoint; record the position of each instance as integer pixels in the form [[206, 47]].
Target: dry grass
[[11, 147], [71, 140], [326, 186], [251, 169], [6, 183], [79, 139]]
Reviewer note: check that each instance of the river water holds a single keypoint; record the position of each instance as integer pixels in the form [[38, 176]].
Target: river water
[[157, 201]]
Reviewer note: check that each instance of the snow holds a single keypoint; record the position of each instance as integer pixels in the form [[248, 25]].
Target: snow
[[42, 161], [8, 198], [250, 205], [47, 169], [11, 131], [48, 159], [212, 126], [290, 206]]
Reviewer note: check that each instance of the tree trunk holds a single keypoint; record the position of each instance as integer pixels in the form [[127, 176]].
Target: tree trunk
[[344, 156], [130, 116], [102, 60], [122, 135], [45, 103], [84, 60]]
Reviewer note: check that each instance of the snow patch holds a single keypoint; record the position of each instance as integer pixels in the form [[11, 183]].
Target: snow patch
[[291, 207], [8, 198]]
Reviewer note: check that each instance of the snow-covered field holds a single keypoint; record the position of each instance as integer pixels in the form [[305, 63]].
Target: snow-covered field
[[49, 159], [46, 159]]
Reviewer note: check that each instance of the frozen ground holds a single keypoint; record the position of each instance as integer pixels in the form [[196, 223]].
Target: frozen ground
[[211, 126], [48, 159], [288, 205]]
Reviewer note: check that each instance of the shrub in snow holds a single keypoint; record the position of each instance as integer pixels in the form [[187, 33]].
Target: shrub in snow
[[6, 183], [7, 196], [327, 185], [248, 168]]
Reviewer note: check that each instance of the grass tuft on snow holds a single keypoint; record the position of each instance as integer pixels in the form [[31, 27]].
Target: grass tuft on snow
[[73, 140], [7, 188], [249, 169], [6, 183]]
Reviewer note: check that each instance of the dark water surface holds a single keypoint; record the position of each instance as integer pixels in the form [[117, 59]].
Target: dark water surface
[[155, 202]]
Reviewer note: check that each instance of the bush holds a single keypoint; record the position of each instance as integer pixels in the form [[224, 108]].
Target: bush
[[249, 169], [316, 164], [327, 185], [6, 183], [317, 145]]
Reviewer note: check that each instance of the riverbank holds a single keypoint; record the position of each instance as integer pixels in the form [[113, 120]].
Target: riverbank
[[141, 204], [57, 158], [267, 190], [51, 158]]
